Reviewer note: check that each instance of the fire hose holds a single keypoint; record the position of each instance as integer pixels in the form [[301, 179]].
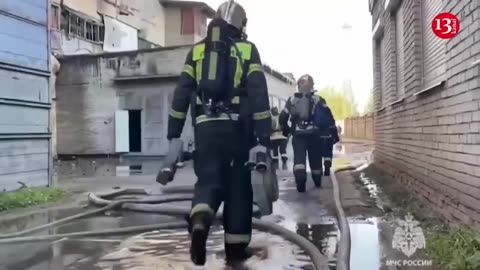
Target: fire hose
[[152, 204]]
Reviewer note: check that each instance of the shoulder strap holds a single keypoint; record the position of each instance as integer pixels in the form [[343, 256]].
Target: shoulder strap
[[244, 64]]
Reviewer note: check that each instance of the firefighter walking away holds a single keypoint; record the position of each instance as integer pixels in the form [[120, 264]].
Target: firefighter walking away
[[328, 133], [278, 141], [226, 87], [301, 111]]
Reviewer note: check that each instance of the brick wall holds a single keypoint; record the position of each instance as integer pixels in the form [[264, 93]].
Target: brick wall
[[359, 127], [431, 141]]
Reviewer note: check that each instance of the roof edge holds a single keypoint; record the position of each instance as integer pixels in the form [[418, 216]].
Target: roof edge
[[267, 68], [209, 11]]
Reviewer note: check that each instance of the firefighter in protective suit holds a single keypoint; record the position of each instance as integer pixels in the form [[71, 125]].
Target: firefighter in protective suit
[[329, 138], [299, 110], [278, 141], [223, 80]]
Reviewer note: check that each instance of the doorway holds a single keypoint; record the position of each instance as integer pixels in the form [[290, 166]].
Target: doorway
[[135, 130]]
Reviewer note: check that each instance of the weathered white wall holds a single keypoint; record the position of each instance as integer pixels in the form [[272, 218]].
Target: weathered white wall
[[173, 20], [148, 17], [87, 98], [73, 45]]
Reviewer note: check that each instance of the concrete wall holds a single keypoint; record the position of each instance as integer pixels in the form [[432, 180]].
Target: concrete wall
[[173, 26], [74, 45], [430, 141], [91, 88], [155, 23], [148, 17]]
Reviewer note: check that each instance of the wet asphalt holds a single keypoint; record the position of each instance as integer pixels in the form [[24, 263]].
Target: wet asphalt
[[302, 213]]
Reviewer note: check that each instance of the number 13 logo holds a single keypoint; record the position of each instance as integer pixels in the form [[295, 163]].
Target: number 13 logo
[[445, 25]]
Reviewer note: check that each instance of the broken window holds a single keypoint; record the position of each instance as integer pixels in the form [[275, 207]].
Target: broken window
[[89, 31], [188, 21], [81, 27], [55, 17]]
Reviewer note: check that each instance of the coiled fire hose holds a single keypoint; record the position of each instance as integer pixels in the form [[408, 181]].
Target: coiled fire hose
[[174, 194]]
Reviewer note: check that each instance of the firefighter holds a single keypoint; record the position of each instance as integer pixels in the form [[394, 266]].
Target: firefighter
[[299, 112], [224, 82], [278, 141], [329, 138]]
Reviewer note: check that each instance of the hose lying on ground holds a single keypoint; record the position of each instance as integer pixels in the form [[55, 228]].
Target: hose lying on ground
[[145, 205], [343, 256]]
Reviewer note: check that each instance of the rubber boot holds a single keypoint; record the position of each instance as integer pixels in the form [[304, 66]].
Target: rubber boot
[[198, 227], [275, 164], [327, 171], [327, 164], [317, 180], [236, 254], [284, 163], [300, 180]]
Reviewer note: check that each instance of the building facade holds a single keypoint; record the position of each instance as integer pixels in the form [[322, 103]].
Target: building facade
[[95, 26], [24, 96], [427, 99], [117, 103]]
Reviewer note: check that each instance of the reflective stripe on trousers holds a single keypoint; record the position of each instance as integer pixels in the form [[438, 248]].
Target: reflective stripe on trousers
[[231, 238], [298, 167]]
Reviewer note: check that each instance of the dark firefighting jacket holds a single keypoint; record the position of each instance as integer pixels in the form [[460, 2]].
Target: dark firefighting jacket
[[249, 85]]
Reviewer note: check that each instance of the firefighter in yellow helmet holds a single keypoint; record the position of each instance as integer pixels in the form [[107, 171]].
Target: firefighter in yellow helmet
[[224, 83]]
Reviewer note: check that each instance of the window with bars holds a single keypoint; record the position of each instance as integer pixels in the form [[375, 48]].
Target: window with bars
[[78, 26]]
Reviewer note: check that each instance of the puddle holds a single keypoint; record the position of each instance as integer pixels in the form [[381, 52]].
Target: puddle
[[36, 219], [112, 220], [154, 250], [366, 247], [95, 167]]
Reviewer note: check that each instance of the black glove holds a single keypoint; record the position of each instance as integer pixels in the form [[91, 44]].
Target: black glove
[[286, 132], [336, 139]]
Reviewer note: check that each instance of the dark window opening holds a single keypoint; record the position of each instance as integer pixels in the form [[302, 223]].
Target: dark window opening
[[188, 21], [135, 130], [55, 17]]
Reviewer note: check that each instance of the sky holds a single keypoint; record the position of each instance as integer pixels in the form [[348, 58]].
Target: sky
[[306, 36]]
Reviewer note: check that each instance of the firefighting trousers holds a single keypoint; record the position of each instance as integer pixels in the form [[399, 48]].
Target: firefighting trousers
[[223, 177], [303, 145], [327, 152], [279, 147]]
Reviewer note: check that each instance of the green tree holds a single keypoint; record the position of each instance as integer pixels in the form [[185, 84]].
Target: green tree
[[350, 105], [370, 108], [341, 103]]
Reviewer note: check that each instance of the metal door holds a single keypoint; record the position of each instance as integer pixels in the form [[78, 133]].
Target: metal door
[[24, 94]]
